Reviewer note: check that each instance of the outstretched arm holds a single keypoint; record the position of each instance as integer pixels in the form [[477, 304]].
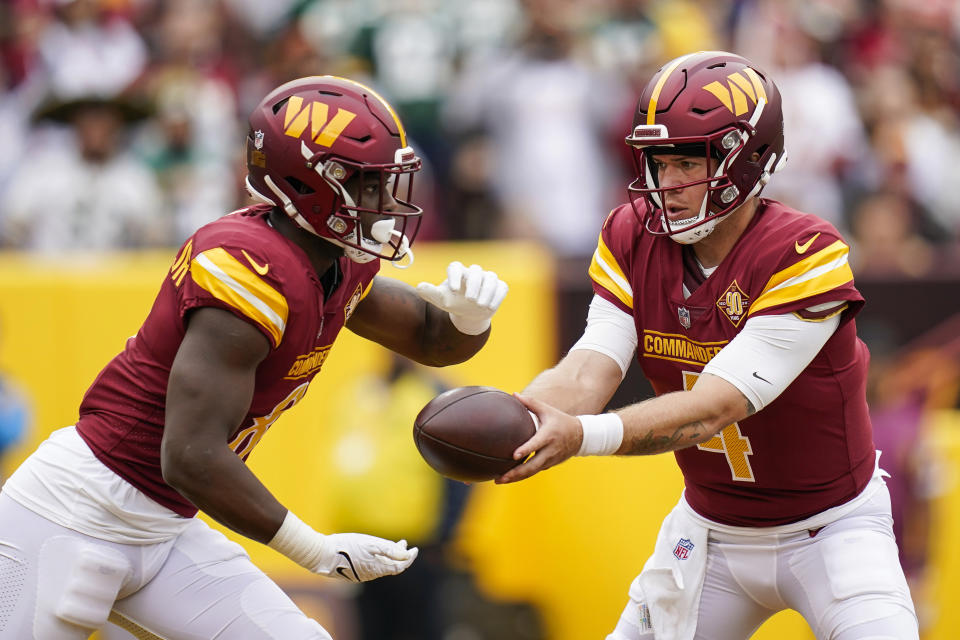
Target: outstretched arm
[[436, 325], [211, 385], [583, 382], [666, 423], [729, 389]]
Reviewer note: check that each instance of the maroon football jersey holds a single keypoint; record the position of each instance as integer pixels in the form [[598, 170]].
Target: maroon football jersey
[[812, 447], [239, 263]]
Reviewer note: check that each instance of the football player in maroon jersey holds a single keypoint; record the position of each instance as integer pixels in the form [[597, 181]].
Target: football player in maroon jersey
[[98, 523], [741, 313]]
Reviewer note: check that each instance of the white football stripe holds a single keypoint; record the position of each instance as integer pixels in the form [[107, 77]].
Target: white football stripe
[[242, 291], [816, 272], [610, 271]]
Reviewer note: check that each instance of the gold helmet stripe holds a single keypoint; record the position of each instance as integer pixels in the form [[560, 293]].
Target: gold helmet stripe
[[652, 108], [396, 118]]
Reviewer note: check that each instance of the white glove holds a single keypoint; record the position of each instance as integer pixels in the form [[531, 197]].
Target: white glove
[[358, 557], [470, 295], [355, 557]]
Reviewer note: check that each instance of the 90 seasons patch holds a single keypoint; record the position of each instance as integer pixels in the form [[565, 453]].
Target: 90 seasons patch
[[734, 303]]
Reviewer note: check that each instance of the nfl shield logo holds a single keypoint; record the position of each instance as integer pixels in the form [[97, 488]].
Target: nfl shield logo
[[683, 549], [258, 139], [684, 317]]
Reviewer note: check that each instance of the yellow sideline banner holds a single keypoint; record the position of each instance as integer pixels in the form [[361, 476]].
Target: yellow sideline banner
[[568, 541]]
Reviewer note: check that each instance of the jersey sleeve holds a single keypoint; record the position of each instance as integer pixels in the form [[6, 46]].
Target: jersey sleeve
[[234, 280], [806, 274], [608, 273]]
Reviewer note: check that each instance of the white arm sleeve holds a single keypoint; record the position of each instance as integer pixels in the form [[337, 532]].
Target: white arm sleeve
[[769, 353], [609, 331]]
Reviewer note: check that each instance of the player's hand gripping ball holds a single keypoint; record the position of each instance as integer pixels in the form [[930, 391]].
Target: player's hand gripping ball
[[470, 433]]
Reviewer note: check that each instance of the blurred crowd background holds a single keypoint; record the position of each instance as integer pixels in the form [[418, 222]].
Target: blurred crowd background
[[122, 121], [122, 126]]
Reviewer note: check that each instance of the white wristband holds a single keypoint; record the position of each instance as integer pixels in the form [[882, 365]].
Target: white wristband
[[602, 434], [299, 542]]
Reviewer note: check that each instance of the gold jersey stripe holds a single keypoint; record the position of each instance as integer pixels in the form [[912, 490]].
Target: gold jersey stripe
[[227, 279], [803, 290], [828, 257], [605, 271], [824, 270]]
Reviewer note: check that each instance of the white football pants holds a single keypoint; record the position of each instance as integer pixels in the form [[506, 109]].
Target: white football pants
[[846, 581], [58, 584]]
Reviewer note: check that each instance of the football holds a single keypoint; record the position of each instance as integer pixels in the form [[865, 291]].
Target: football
[[470, 433]]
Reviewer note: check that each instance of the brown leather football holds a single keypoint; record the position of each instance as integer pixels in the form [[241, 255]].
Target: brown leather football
[[470, 433]]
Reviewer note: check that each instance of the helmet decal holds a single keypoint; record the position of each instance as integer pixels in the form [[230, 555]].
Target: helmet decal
[[322, 131], [737, 90]]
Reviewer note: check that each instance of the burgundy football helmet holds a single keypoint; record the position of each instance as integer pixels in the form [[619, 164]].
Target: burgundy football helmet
[[308, 138], [716, 105]]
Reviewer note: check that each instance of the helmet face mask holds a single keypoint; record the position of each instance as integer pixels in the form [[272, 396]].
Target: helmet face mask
[[372, 216], [713, 105], [313, 142]]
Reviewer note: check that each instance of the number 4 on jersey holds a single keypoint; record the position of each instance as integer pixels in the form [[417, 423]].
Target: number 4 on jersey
[[730, 442]]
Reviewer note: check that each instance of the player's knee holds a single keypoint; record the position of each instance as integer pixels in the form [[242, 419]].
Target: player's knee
[[898, 625], [267, 608]]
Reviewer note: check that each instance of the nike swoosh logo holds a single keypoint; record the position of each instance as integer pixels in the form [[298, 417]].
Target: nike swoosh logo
[[802, 248], [262, 269], [757, 376], [343, 570]]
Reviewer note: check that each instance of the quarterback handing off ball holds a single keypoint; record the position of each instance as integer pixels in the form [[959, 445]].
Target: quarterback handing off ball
[[470, 433]]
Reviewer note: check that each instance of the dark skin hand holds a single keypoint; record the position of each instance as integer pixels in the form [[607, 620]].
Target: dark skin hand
[[213, 377]]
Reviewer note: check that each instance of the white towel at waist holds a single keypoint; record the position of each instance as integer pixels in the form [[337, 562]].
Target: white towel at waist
[[672, 578]]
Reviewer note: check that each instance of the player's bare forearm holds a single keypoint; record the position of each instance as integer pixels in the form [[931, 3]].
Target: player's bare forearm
[[394, 316], [214, 479], [663, 439], [583, 382], [681, 419]]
